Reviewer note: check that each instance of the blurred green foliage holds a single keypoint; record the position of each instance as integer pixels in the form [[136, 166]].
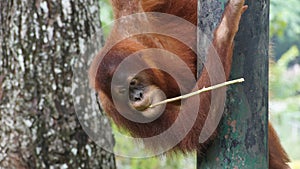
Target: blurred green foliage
[[284, 25], [285, 75], [106, 16], [284, 85], [284, 15], [285, 101]]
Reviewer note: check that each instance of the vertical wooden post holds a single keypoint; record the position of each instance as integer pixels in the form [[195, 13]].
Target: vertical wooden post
[[243, 130]]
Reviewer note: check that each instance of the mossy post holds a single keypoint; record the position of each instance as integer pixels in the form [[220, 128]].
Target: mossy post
[[243, 130]]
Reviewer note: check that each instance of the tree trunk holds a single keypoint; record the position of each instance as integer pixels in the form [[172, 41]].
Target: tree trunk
[[41, 41], [243, 130]]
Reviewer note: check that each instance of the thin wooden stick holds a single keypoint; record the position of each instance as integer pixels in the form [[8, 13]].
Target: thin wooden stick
[[204, 89]]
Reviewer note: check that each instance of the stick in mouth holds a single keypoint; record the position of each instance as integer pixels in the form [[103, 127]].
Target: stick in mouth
[[204, 89]]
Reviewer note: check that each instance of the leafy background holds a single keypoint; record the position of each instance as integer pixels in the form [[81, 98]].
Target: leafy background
[[284, 85]]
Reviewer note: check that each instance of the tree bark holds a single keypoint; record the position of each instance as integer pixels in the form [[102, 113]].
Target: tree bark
[[41, 41], [243, 130]]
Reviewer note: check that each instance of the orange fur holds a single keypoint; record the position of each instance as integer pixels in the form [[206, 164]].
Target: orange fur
[[100, 75]]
